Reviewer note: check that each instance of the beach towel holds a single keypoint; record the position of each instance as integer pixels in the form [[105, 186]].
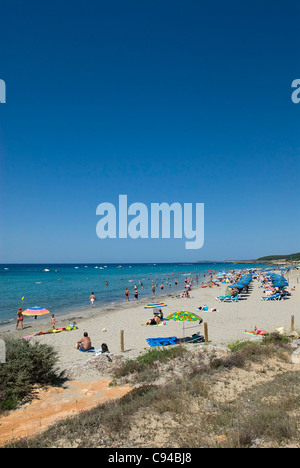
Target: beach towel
[[171, 340], [93, 350], [254, 335], [156, 325], [257, 333]]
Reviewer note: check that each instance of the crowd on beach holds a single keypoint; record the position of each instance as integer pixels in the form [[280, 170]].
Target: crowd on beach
[[214, 279]]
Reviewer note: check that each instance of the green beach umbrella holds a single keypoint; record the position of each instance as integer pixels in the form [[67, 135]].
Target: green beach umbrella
[[184, 316]]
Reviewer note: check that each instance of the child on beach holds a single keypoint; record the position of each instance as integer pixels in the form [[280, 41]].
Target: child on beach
[[53, 322]]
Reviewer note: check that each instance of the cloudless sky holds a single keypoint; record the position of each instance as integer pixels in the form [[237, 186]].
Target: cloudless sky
[[165, 101]]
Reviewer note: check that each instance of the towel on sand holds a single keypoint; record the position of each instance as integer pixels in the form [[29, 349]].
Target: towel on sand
[[93, 350]]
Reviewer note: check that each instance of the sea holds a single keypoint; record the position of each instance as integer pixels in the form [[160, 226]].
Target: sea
[[63, 288]]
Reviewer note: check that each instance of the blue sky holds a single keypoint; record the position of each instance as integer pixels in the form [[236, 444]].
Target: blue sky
[[165, 101]]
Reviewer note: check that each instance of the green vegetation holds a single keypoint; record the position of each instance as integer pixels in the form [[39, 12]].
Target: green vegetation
[[294, 257], [146, 364], [205, 400], [27, 365]]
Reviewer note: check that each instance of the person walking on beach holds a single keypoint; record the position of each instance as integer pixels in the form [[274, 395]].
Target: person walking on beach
[[92, 300], [20, 318], [136, 294], [153, 289], [127, 294]]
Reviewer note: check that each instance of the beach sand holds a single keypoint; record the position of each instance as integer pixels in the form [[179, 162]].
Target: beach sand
[[90, 376], [225, 326]]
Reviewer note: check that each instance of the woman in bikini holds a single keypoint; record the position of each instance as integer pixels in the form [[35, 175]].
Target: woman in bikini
[[20, 318]]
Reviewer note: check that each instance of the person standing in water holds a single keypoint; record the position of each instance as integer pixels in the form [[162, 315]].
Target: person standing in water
[[92, 300]]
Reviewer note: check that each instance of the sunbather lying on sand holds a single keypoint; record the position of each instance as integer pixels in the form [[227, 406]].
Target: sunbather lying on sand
[[258, 331], [205, 308], [156, 320]]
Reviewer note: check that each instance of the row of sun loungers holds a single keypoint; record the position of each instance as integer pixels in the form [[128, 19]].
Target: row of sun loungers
[[276, 297]]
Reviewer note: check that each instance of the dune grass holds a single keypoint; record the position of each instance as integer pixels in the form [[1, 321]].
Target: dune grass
[[184, 411]]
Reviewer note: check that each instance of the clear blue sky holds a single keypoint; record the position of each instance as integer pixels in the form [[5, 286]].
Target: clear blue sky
[[186, 101]]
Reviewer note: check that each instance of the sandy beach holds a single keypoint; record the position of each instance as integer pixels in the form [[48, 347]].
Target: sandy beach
[[226, 325]]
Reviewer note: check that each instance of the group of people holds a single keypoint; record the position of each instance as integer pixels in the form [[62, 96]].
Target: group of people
[[136, 292], [185, 294], [20, 320]]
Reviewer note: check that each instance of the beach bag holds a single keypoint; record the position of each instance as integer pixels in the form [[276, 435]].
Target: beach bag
[[104, 348]]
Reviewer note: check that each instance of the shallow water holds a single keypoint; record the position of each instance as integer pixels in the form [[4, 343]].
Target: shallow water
[[61, 288]]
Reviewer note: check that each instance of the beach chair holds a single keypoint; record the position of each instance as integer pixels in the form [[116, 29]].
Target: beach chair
[[235, 298], [227, 298], [222, 298], [274, 297]]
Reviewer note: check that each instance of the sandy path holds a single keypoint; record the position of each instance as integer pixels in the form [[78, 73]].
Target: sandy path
[[54, 404]]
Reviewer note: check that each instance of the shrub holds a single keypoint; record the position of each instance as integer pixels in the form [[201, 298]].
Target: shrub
[[26, 365], [149, 360]]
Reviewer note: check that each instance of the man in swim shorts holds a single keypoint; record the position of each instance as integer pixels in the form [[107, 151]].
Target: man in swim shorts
[[92, 300], [85, 343]]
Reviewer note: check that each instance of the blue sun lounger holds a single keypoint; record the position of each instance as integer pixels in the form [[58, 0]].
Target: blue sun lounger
[[274, 297], [227, 298], [171, 340]]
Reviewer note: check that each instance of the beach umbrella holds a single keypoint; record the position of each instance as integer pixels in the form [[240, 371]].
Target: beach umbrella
[[244, 281], [36, 311], [237, 285], [184, 316]]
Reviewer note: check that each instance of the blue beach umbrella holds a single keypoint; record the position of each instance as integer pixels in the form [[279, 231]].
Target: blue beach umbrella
[[237, 285]]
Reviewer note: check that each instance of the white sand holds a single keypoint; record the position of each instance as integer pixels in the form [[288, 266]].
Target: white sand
[[225, 326]]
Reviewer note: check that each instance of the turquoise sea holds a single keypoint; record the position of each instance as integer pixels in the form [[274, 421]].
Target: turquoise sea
[[61, 288]]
